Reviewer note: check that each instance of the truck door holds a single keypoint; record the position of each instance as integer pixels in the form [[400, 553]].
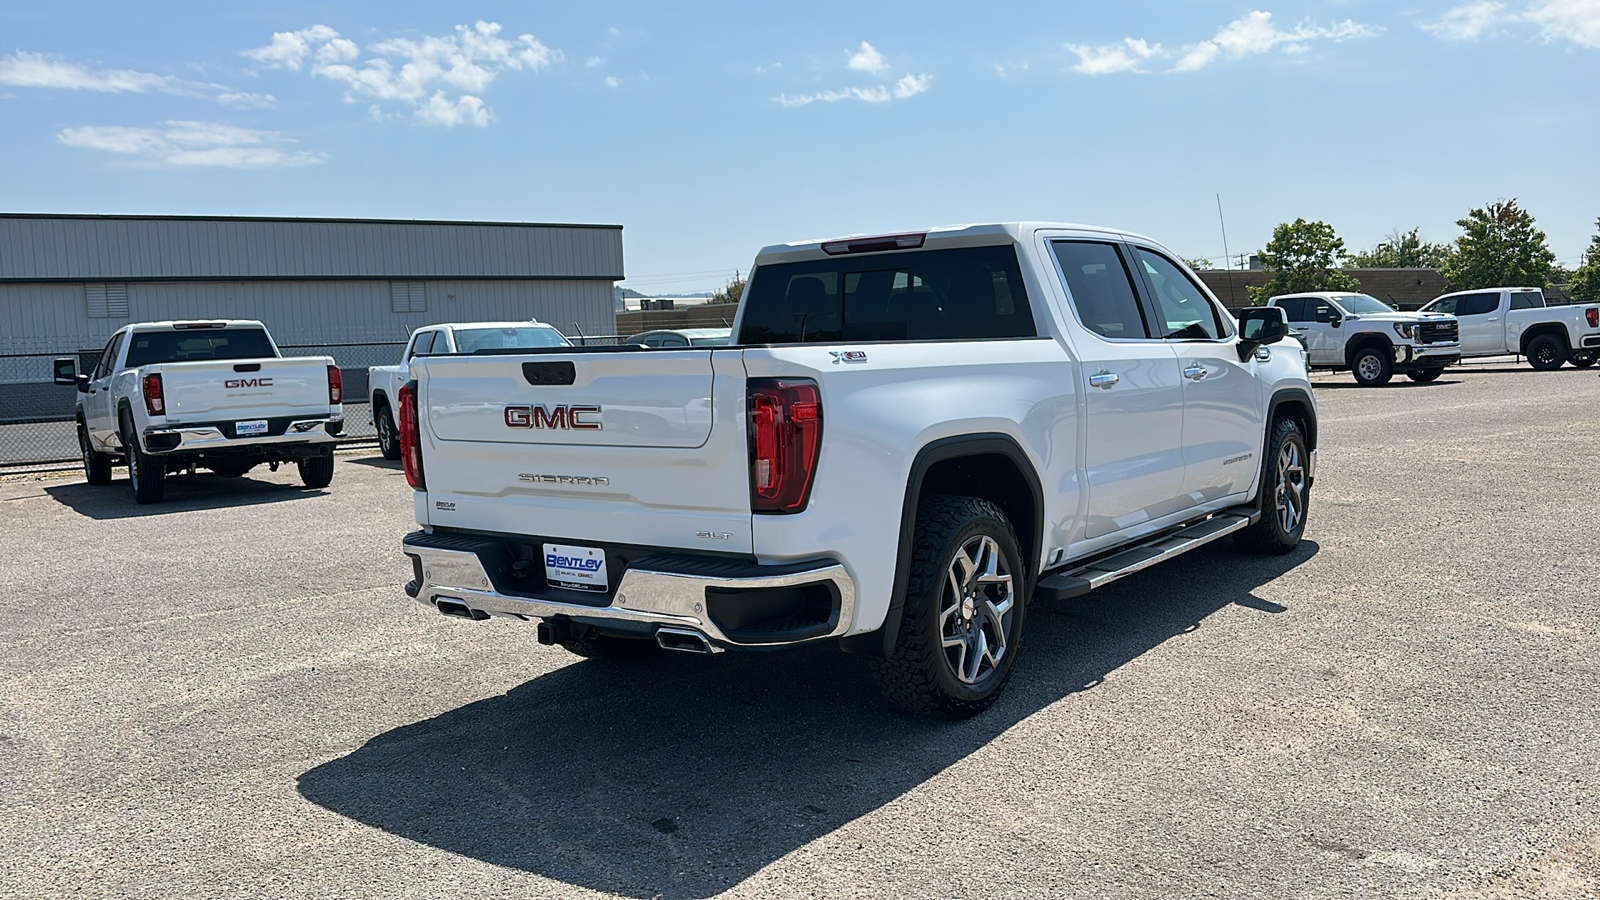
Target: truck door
[[1324, 342], [1222, 430], [1134, 454], [99, 416], [1483, 323]]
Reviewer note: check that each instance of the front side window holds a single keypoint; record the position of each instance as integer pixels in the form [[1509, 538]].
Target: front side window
[[1102, 288], [108, 357], [191, 345], [1527, 300], [1477, 304], [423, 345], [1186, 313], [1445, 307], [966, 293]]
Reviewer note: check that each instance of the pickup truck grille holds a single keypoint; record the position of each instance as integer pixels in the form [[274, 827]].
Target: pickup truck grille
[[1437, 332]]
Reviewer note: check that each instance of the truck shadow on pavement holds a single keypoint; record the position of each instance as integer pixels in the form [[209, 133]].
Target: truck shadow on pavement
[[183, 494], [684, 776]]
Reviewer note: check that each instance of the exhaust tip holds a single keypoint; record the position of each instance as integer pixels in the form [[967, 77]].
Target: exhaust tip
[[459, 610], [684, 640]]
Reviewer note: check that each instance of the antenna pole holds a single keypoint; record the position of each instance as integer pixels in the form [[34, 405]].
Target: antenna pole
[[1227, 258]]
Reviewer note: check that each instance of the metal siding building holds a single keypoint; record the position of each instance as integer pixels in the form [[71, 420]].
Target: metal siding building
[[67, 282]]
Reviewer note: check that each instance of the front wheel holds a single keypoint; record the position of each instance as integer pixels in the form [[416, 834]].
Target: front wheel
[[1546, 353], [1285, 493], [1423, 376], [388, 435], [316, 471], [1372, 367], [96, 465], [964, 606]]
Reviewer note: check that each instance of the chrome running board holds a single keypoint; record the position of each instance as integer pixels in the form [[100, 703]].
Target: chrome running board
[[1081, 578]]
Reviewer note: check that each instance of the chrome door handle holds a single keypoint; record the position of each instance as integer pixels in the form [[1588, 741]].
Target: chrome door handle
[[1103, 380], [1495, 319], [1195, 372]]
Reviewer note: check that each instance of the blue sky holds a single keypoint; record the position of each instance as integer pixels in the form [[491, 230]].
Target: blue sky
[[709, 130]]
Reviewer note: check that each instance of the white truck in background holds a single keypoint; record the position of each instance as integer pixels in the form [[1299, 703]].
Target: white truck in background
[[911, 437], [1359, 332], [169, 396], [383, 382], [1499, 321]]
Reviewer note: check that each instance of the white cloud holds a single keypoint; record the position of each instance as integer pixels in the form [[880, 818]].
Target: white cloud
[[1577, 21], [421, 73], [907, 86], [611, 81], [1249, 35], [593, 61], [38, 70], [187, 143], [1128, 56], [911, 85], [868, 59], [248, 101], [1467, 22]]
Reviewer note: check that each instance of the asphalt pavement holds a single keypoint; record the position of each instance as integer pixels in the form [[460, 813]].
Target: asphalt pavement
[[228, 695]]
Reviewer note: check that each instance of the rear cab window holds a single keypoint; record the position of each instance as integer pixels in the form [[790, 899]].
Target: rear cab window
[[965, 293], [1527, 300], [198, 345]]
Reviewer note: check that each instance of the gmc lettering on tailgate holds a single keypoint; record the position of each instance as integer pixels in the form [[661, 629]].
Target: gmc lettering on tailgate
[[233, 383], [562, 417]]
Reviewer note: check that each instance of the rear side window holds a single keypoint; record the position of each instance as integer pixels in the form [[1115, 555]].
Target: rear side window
[[930, 295], [108, 358], [1294, 308], [150, 347], [1102, 288], [1527, 300], [1477, 304]]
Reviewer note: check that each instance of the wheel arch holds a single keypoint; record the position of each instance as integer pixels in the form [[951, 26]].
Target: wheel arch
[[1361, 340], [1556, 329], [1295, 403], [380, 399], [991, 466]]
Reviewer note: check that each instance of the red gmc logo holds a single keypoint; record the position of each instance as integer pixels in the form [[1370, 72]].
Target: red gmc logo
[[560, 417], [232, 383]]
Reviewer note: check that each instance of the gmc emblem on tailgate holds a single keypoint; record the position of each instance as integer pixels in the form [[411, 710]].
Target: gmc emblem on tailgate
[[233, 383], [562, 416]]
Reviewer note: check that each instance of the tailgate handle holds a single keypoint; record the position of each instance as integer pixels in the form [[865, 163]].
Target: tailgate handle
[[543, 373], [247, 367]]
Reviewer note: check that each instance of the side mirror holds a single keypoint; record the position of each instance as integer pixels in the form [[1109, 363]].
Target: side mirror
[[1260, 325], [66, 370], [1328, 315]]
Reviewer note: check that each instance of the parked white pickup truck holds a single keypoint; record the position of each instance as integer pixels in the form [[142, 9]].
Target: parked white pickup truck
[[913, 435], [1365, 335], [169, 396], [383, 382], [1498, 321]]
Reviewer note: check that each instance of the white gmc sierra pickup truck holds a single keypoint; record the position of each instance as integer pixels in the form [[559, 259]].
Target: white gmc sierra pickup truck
[[383, 382], [167, 396], [912, 436], [1498, 321], [1365, 335]]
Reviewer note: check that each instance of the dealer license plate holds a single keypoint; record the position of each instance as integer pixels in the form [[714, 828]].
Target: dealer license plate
[[579, 568], [254, 426]]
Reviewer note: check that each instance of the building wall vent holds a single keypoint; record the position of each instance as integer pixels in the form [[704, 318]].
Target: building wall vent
[[408, 296], [106, 301]]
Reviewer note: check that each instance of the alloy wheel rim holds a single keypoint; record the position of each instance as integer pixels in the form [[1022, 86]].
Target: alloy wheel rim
[[1291, 494], [385, 431], [83, 447], [976, 606]]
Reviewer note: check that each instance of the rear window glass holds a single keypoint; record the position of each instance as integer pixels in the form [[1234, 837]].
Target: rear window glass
[[1477, 304], [1527, 300], [151, 347], [930, 295], [472, 340]]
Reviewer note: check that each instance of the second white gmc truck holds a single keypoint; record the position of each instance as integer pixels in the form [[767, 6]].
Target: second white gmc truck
[[912, 436]]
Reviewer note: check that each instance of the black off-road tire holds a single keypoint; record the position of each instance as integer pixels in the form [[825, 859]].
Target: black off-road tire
[[315, 471], [147, 475], [1375, 374], [1581, 360], [1423, 376], [1547, 352], [1269, 534], [231, 468], [918, 677], [613, 649], [96, 465], [388, 434]]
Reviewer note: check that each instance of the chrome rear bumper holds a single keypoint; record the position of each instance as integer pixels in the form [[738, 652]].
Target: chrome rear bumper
[[195, 438]]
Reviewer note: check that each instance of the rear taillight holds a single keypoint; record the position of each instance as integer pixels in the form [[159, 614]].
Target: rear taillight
[[411, 437], [785, 437], [335, 386], [154, 402], [1593, 314]]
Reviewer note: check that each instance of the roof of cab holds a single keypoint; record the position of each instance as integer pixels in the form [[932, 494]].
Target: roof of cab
[[175, 324], [976, 235]]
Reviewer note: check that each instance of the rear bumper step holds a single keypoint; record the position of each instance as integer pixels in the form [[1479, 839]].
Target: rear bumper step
[[680, 596], [1083, 578]]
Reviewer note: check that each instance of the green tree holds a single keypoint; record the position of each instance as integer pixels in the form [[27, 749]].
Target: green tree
[[1499, 247], [730, 292], [1303, 256], [1585, 282], [1199, 263], [1402, 251]]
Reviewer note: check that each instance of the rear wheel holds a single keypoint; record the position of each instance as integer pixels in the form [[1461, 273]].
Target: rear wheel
[[147, 474], [965, 602], [1546, 352], [1372, 366], [388, 435], [96, 465], [316, 471], [1423, 376], [1285, 493]]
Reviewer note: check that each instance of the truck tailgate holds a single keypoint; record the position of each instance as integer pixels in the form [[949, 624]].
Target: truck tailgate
[[644, 447], [230, 390]]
